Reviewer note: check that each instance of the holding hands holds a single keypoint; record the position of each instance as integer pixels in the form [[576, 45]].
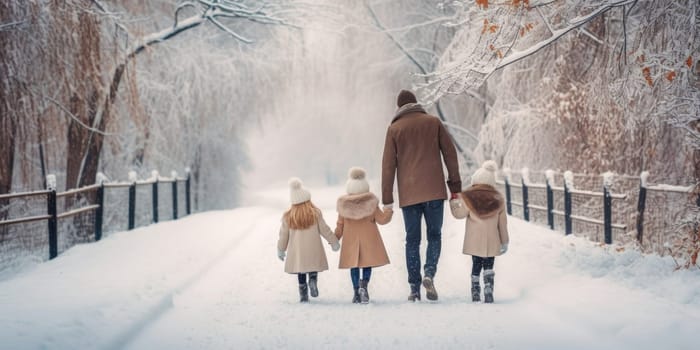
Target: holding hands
[[335, 246]]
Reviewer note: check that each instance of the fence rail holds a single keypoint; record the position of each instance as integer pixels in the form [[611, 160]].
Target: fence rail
[[94, 196], [606, 196]]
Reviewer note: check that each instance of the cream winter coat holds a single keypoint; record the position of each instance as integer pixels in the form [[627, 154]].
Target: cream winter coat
[[358, 216], [305, 252], [486, 227]]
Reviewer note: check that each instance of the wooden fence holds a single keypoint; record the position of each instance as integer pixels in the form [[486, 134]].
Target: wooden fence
[[91, 199], [548, 193]]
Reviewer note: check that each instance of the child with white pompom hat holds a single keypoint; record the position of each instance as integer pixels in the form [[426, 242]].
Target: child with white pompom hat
[[300, 236], [486, 232], [362, 248]]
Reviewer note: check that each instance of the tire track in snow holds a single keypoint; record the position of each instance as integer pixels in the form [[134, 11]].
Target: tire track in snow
[[123, 339]]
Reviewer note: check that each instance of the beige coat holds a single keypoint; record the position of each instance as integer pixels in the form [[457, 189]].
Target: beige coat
[[358, 216], [415, 146], [486, 227], [305, 252]]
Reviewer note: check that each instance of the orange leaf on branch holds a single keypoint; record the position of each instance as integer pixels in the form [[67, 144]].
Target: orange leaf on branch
[[646, 72], [482, 3], [671, 75]]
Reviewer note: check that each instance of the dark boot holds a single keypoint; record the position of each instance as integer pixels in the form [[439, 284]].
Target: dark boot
[[356, 296], [313, 286], [364, 293], [476, 289], [303, 293], [488, 285], [415, 292], [430, 291]]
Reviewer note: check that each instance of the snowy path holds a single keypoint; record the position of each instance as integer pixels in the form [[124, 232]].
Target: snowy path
[[212, 281]]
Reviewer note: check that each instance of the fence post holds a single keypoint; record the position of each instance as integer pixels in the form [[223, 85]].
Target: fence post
[[99, 212], [174, 175], [132, 200], [506, 180], [187, 191], [607, 207], [53, 220], [525, 180], [568, 186], [549, 174], [641, 205], [154, 194]]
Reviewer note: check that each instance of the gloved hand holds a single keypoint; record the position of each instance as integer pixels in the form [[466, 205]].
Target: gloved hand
[[281, 254], [457, 209], [335, 246], [504, 248]]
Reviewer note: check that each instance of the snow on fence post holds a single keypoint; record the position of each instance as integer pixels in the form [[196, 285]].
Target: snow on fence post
[[549, 174], [525, 180], [132, 200], [53, 220], [607, 207], [99, 212], [173, 174], [506, 180], [154, 194], [187, 191], [641, 205], [568, 186]]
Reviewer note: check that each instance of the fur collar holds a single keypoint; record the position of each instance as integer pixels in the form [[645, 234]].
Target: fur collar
[[407, 108], [357, 206], [483, 200]]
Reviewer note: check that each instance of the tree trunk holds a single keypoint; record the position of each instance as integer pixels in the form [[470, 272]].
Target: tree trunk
[[7, 121], [84, 145]]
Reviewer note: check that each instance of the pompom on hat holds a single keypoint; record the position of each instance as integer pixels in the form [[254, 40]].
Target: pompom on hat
[[297, 193], [486, 175], [357, 183]]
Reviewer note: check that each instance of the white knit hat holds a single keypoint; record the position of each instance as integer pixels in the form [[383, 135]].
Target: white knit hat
[[297, 193], [486, 175], [357, 183]]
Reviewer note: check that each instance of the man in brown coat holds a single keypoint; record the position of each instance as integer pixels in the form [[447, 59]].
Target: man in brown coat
[[416, 144]]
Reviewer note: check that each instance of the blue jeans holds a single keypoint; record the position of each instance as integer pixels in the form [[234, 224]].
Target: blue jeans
[[433, 213], [355, 275]]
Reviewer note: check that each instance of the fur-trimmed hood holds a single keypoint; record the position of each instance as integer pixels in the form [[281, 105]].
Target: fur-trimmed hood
[[357, 206], [483, 200]]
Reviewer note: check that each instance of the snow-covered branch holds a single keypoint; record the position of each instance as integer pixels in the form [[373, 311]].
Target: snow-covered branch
[[499, 36]]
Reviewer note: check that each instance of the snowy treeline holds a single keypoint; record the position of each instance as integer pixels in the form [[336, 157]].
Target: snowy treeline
[[82, 92], [307, 88]]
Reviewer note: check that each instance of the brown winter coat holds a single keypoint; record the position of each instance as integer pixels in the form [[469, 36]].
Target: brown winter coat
[[413, 147], [486, 227], [358, 216], [305, 251]]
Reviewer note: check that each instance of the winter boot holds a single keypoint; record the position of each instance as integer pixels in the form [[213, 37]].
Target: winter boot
[[364, 293], [313, 286], [303, 293], [415, 293], [356, 296], [476, 289], [488, 286], [430, 291]]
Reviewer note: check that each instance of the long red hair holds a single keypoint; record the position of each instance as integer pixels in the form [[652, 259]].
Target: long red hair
[[301, 216]]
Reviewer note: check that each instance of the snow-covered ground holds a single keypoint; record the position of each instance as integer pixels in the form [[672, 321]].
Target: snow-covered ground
[[213, 281]]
